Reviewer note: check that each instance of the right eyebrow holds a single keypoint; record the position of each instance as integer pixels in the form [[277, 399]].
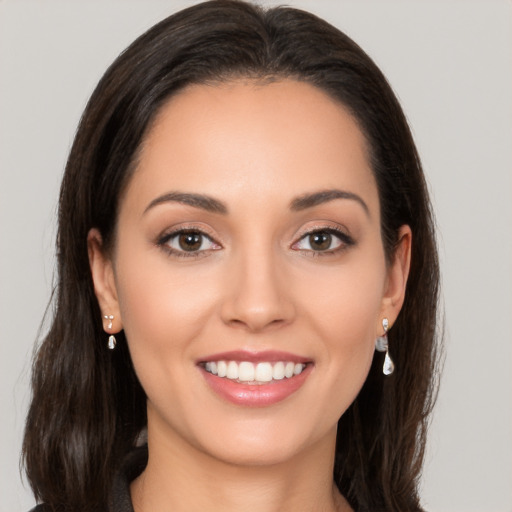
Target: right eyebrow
[[202, 201], [323, 196]]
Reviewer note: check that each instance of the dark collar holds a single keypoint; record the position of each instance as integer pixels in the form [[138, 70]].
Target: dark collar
[[120, 500], [132, 466]]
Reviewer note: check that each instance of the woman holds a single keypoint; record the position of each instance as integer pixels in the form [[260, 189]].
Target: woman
[[242, 219]]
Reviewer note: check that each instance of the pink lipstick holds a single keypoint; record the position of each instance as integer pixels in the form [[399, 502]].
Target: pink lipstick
[[255, 379]]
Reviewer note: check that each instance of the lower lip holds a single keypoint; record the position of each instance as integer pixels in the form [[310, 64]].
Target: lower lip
[[256, 395]]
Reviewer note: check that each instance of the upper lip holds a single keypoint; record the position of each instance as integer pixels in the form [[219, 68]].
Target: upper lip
[[271, 356]]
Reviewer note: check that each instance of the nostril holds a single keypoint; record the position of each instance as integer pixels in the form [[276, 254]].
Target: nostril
[[256, 298], [256, 325]]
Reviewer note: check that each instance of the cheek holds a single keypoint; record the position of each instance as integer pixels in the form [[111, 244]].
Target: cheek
[[347, 301], [156, 295], [164, 315], [161, 309], [344, 314]]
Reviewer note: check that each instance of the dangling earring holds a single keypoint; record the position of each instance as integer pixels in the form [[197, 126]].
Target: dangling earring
[[111, 339], [381, 345], [112, 342]]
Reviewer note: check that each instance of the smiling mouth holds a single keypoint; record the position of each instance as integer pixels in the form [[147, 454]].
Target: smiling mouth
[[246, 372]]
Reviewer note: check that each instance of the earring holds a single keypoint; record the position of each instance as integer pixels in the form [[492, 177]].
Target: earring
[[381, 345], [111, 339], [112, 342]]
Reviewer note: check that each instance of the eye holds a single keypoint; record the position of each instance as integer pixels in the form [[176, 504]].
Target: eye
[[188, 241], [323, 240]]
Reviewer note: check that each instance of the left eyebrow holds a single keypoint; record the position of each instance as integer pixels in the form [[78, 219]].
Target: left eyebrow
[[202, 201], [324, 196]]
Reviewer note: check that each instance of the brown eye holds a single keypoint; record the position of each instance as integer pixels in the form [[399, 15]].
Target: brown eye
[[190, 241], [320, 241]]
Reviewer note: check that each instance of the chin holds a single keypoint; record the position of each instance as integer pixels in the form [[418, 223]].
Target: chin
[[264, 444]]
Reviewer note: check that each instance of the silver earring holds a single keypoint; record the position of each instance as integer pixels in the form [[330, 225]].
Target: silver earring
[[381, 345], [111, 339], [109, 318], [112, 342]]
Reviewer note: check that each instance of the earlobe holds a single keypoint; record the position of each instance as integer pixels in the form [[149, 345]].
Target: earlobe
[[102, 274], [398, 272]]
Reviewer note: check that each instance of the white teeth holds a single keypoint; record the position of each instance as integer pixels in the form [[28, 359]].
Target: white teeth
[[246, 371], [232, 371], [263, 372], [278, 371], [221, 368], [211, 366]]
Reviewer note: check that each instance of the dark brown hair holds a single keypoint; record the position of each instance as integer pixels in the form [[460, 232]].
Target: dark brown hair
[[88, 407]]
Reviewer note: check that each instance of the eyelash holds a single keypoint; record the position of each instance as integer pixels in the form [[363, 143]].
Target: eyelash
[[344, 239], [163, 242]]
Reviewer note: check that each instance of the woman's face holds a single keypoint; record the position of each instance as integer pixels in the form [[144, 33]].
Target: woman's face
[[248, 242]]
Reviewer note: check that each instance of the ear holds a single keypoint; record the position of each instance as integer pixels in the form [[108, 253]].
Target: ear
[[104, 283], [396, 281]]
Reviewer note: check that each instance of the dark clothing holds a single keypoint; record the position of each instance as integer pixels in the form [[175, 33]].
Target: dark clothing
[[133, 465], [120, 500]]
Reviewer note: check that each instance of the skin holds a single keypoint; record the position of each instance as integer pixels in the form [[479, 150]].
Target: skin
[[257, 283]]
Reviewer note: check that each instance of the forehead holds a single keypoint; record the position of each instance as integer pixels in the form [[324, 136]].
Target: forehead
[[279, 139]]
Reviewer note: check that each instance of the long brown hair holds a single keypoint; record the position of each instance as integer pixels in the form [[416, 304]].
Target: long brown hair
[[88, 407]]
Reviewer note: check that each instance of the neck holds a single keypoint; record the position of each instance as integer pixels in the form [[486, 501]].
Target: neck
[[182, 479]]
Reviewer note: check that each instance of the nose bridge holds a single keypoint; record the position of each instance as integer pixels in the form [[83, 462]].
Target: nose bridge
[[257, 296]]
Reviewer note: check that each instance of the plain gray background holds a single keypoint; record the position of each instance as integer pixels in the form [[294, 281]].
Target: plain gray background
[[450, 62]]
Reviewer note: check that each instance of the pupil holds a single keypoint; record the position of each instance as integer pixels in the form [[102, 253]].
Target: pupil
[[320, 241], [190, 241]]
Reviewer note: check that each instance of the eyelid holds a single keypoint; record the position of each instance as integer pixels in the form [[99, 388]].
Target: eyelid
[[163, 239], [331, 227], [336, 230]]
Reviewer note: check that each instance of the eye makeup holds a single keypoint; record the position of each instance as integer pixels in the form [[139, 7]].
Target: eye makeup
[[191, 241], [323, 241], [187, 242]]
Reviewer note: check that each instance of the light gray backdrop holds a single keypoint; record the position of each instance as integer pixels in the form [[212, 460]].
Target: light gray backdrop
[[450, 63]]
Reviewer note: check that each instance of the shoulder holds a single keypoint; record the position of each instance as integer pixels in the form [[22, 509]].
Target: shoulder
[[120, 499], [133, 465]]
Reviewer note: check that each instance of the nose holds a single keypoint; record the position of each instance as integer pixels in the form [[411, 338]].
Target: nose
[[258, 294]]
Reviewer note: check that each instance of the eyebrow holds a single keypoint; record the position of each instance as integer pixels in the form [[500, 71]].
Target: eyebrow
[[196, 200], [324, 196], [300, 203]]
